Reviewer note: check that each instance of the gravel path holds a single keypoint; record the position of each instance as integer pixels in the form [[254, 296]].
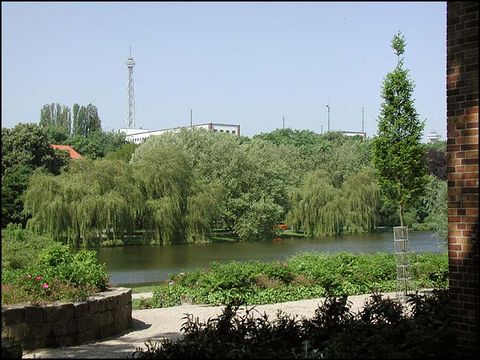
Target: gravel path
[[155, 324]]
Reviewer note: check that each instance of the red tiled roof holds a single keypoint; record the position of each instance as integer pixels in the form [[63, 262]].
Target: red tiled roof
[[71, 151]]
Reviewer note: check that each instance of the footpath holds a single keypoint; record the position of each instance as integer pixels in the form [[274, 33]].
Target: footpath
[[157, 324]]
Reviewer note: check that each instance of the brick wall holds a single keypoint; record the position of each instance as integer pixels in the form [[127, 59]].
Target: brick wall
[[462, 169]]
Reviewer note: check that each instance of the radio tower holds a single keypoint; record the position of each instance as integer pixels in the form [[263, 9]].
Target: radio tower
[[130, 121]]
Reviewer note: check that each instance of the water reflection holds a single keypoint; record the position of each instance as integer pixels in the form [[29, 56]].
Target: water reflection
[[141, 264]]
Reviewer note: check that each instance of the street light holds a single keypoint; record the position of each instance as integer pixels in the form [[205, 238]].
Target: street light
[[328, 123]]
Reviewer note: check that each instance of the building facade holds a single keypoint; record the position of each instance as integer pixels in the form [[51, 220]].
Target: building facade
[[462, 176], [137, 136]]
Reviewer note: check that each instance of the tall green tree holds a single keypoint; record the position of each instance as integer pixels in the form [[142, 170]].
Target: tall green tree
[[398, 155], [75, 119], [178, 207], [321, 209], [25, 148], [92, 122], [92, 201], [56, 118]]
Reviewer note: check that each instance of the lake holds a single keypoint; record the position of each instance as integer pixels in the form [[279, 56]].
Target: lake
[[144, 264]]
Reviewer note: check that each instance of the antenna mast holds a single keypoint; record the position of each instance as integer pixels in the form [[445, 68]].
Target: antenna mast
[[328, 115], [130, 121], [363, 119]]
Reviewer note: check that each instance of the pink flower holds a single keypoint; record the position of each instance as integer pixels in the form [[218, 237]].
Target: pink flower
[[45, 285], [38, 278]]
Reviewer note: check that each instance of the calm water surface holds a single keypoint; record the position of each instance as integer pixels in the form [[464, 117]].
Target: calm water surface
[[142, 264]]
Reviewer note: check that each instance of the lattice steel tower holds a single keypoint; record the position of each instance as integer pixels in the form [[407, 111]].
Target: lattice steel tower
[[130, 121]]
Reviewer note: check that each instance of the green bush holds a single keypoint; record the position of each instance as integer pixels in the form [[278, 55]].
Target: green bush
[[303, 276], [382, 329], [20, 246], [81, 269], [53, 274]]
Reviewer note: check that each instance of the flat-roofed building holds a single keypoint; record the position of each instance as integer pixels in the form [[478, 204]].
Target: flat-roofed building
[[433, 137], [354, 133], [138, 136]]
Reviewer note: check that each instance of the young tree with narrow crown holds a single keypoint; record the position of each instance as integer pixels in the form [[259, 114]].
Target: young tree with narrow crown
[[398, 155]]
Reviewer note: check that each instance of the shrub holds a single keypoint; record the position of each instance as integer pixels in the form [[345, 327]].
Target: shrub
[[304, 276], [20, 246], [382, 329], [55, 274]]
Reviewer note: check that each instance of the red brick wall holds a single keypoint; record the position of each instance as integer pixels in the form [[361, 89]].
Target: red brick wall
[[462, 169]]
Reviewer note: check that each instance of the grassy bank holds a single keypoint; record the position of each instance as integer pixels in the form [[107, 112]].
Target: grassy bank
[[304, 276]]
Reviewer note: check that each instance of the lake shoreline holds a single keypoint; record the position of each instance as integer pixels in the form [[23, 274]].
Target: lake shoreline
[[145, 264]]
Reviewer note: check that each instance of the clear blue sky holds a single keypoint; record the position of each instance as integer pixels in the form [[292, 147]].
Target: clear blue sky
[[243, 63]]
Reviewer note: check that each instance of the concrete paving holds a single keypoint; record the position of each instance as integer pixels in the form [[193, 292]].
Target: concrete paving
[[156, 324]]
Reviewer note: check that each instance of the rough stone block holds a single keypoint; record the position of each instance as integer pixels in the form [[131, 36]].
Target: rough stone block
[[34, 314], [93, 306], [18, 332], [40, 330], [105, 318], [85, 336], [59, 312], [112, 302], [67, 340], [81, 309], [65, 327], [102, 305], [13, 315], [83, 323]]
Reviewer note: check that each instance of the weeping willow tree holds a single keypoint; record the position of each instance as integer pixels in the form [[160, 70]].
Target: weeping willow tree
[[179, 208], [320, 209], [91, 202], [317, 206], [361, 193], [203, 208]]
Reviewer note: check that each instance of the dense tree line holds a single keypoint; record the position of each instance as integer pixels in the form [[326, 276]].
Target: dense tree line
[[178, 187], [26, 149], [62, 122]]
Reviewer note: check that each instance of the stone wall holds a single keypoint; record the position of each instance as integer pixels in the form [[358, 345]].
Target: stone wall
[[462, 175], [65, 324]]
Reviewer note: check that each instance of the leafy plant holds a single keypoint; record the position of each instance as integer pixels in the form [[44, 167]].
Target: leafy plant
[[303, 276], [382, 329]]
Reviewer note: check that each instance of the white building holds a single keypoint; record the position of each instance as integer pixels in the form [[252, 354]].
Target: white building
[[354, 133], [432, 137], [138, 136]]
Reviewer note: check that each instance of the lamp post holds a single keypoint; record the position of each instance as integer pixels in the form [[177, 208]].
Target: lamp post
[[328, 112]]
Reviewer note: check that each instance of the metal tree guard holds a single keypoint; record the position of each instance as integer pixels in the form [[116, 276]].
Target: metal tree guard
[[402, 256]]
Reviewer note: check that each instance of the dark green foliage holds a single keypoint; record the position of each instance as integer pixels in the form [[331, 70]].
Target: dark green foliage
[[430, 211], [382, 329], [300, 277], [123, 152], [58, 117], [398, 155], [25, 148], [55, 135], [85, 120], [96, 144], [27, 144], [436, 159]]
